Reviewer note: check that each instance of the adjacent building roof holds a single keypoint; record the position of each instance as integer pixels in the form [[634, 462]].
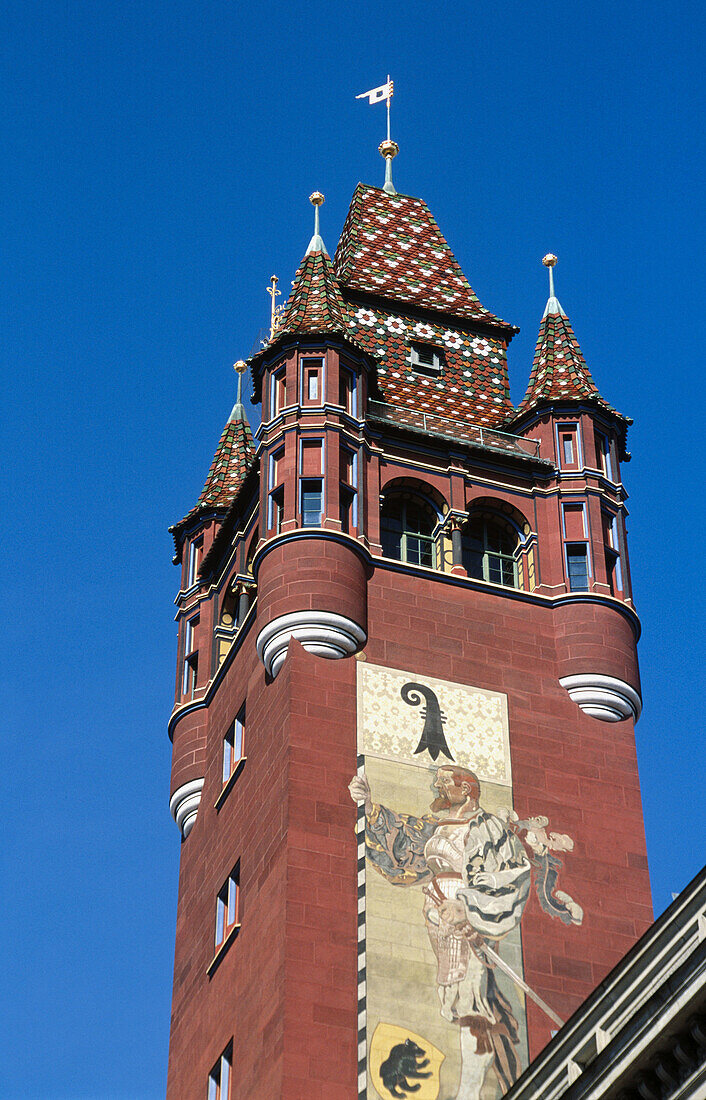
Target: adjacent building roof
[[391, 246], [559, 372]]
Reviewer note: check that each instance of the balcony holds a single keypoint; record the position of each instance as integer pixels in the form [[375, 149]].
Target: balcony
[[460, 431]]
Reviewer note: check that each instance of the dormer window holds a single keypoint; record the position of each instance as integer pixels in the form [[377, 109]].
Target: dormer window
[[426, 358]]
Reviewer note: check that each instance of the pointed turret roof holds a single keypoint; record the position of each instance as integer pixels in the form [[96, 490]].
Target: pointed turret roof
[[559, 372], [231, 462], [315, 304], [391, 246]]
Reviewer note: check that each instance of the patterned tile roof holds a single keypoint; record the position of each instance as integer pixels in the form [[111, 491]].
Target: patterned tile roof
[[230, 464], [315, 304], [472, 383], [391, 246], [559, 371]]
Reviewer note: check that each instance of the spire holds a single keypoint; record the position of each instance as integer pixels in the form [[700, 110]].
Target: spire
[[559, 372], [231, 462], [315, 304], [553, 306], [238, 410], [316, 243], [389, 150]]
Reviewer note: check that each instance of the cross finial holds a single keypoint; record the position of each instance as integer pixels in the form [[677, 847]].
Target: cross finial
[[316, 243], [273, 293]]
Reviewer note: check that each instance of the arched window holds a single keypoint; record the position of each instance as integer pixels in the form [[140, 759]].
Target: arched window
[[490, 549], [406, 526]]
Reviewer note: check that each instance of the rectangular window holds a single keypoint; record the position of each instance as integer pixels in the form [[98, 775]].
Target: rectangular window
[[577, 566], [347, 391], [568, 443], [195, 553], [278, 392], [227, 904], [612, 553], [312, 381], [233, 745], [191, 658], [426, 358], [603, 458], [275, 503], [220, 1076], [312, 501], [574, 522], [348, 490]]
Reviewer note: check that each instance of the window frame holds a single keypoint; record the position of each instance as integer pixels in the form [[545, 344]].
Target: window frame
[[190, 671], [348, 378], [570, 428], [228, 908], [216, 1090], [278, 391], [194, 561], [489, 556], [233, 740], [309, 481], [432, 369], [582, 548], [422, 505], [309, 364]]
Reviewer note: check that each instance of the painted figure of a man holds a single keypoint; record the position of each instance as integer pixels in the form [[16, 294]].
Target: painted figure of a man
[[476, 875]]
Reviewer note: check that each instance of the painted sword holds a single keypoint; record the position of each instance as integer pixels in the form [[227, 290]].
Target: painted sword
[[507, 969]]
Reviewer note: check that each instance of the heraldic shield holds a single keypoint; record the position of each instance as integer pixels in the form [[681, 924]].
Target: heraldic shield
[[404, 1065]]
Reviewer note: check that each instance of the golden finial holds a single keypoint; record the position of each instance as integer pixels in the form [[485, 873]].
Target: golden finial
[[273, 293], [316, 243], [550, 261], [238, 412]]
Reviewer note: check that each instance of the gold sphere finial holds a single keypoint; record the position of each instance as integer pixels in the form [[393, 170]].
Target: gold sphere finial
[[549, 260], [241, 366], [388, 149], [316, 198]]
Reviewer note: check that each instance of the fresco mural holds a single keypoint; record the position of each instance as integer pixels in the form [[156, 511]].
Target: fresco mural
[[449, 869]]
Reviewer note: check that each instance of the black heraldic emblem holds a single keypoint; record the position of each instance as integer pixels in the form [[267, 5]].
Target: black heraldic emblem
[[432, 739], [404, 1060]]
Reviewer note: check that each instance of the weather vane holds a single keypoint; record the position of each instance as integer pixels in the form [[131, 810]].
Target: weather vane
[[388, 148]]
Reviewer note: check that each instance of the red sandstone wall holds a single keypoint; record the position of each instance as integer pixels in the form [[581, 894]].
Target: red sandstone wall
[[286, 990]]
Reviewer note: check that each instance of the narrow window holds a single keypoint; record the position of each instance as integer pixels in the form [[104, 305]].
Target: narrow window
[[347, 391], [195, 554], [312, 501], [278, 392], [191, 659], [568, 443], [233, 745], [603, 457], [612, 553], [227, 904], [275, 505], [577, 566], [312, 379], [220, 1076], [348, 490]]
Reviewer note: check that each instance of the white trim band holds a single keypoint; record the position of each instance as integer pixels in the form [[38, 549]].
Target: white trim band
[[320, 632], [184, 805], [603, 697]]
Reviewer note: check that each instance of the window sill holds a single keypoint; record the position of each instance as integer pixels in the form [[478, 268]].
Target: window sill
[[229, 783], [216, 960]]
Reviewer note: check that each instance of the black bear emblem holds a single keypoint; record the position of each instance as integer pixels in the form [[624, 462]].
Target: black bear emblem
[[402, 1062]]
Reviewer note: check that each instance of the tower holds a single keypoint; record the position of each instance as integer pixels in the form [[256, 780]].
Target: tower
[[403, 751]]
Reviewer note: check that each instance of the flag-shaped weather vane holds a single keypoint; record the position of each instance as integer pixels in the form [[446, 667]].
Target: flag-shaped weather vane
[[388, 149]]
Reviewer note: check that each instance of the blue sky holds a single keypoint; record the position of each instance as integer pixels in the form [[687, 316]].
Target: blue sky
[[157, 164]]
